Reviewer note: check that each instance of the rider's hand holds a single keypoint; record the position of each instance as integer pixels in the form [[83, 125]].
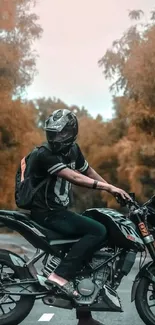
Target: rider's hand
[[115, 191]]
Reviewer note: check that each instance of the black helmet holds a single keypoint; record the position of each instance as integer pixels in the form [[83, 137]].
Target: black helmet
[[61, 130]]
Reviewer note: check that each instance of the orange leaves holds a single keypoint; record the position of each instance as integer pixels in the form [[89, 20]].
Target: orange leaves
[[141, 182], [131, 62], [141, 116], [139, 69], [18, 135], [94, 137], [17, 126], [18, 132], [17, 58], [9, 66], [7, 14]]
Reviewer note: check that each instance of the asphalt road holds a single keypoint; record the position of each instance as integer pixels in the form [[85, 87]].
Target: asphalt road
[[44, 314]]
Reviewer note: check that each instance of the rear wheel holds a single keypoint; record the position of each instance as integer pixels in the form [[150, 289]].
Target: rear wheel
[[145, 300], [13, 309]]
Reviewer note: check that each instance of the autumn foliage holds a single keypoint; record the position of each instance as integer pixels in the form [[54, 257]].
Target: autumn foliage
[[121, 150], [132, 60], [7, 14], [18, 131]]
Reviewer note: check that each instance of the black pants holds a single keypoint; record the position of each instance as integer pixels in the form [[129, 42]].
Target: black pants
[[92, 234]]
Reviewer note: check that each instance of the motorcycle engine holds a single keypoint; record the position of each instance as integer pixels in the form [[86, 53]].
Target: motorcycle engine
[[101, 276], [86, 287], [89, 287]]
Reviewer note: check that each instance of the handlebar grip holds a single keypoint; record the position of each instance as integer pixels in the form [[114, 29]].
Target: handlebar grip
[[131, 205], [120, 200]]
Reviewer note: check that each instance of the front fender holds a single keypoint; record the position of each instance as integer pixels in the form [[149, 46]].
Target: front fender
[[144, 272]]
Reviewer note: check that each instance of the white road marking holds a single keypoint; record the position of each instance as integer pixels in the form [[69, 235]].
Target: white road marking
[[45, 318]]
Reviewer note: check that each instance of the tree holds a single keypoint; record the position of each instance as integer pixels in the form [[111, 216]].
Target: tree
[[17, 58], [18, 132], [131, 62], [136, 14], [18, 135], [134, 47], [98, 148], [7, 14]]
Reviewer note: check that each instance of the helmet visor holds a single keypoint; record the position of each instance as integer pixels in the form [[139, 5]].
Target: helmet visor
[[63, 136]]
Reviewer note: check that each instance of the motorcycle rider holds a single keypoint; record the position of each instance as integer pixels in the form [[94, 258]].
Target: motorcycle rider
[[66, 165]]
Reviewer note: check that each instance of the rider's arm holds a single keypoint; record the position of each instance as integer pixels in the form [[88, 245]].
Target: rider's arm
[[90, 172], [54, 165], [82, 180]]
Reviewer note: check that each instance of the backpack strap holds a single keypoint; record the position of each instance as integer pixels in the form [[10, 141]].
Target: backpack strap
[[40, 185], [47, 178]]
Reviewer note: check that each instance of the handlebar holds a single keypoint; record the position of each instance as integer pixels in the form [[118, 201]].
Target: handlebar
[[133, 206], [130, 204]]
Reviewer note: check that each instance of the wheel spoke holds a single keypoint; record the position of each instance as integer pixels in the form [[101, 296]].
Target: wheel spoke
[[13, 300], [8, 303], [2, 310]]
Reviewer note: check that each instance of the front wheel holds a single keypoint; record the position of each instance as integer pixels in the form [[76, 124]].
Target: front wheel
[[13, 309], [145, 300]]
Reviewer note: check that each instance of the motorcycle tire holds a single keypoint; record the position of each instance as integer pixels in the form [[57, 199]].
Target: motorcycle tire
[[24, 303], [141, 300]]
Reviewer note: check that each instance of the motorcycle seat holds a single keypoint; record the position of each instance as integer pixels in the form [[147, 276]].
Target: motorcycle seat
[[25, 217], [16, 214]]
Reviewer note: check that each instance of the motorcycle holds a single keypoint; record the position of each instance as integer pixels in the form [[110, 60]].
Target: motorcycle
[[22, 282]]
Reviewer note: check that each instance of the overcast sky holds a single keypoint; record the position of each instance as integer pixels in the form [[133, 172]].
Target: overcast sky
[[76, 34]]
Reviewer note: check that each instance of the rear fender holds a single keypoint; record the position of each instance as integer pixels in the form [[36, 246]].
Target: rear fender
[[14, 258], [144, 272], [18, 262]]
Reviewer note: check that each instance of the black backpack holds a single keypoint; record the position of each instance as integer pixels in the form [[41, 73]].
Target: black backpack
[[25, 181]]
